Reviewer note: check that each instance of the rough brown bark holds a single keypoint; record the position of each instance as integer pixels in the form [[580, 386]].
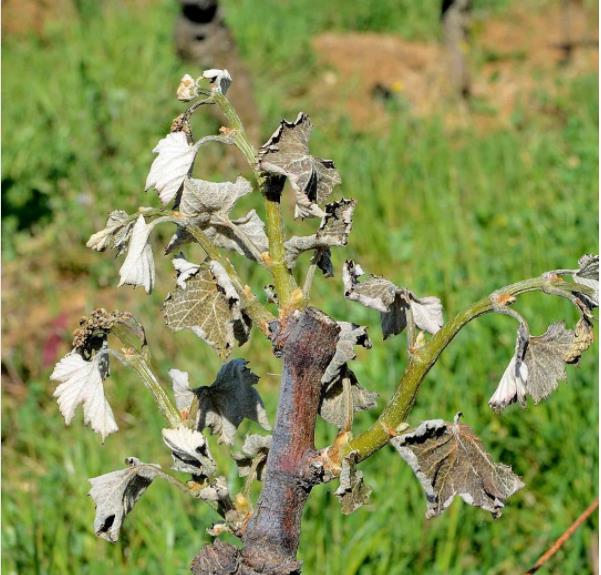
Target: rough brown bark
[[306, 343]]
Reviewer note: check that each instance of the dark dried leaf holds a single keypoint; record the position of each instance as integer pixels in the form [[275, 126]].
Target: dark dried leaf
[[352, 491], [449, 460]]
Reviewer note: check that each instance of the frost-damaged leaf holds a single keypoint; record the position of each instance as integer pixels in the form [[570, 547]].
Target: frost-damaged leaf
[[187, 89], [184, 396], [391, 301], [115, 494], [81, 383], [220, 79], [449, 460], [538, 364], [184, 270], [210, 307], [287, 153], [255, 449], [190, 451], [172, 164], [200, 196], [588, 275], [332, 405], [115, 234], [334, 230], [138, 267], [228, 400], [352, 491]]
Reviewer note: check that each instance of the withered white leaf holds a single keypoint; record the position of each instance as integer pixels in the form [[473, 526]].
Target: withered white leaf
[[538, 364], [588, 275], [200, 196], [115, 234], [352, 491], [190, 451], [115, 494], [138, 267], [184, 270], [349, 336], [221, 79], [255, 447], [211, 310], [391, 301], [81, 383], [184, 396], [449, 460], [228, 400], [172, 164], [334, 230], [287, 153], [214, 490]]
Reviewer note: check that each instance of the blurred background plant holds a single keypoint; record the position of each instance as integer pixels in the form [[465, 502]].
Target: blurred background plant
[[455, 199]]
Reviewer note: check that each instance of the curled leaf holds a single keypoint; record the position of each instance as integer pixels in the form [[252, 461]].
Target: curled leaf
[[287, 153], [228, 400], [221, 79], [138, 267], [115, 494], [81, 382], [253, 451], [184, 270], [115, 234], [200, 196], [352, 491], [190, 451], [184, 396], [588, 275], [449, 460]]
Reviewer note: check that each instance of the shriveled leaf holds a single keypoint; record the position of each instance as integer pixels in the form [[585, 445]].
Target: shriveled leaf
[[427, 313], [187, 89], [184, 396], [138, 267], [214, 490], [588, 275], [184, 270], [512, 386], [349, 336], [209, 309], [228, 400], [352, 491], [334, 230], [287, 153], [333, 406], [81, 383], [374, 292], [220, 79], [200, 196], [449, 460], [254, 451], [175, 156], [115, 494], [115, 234], [190, 451]]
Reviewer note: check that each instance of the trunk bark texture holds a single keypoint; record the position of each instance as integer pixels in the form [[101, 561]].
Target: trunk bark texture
[[306, 343]]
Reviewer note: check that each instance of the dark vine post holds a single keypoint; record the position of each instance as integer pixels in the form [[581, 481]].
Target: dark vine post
[[210, 298]]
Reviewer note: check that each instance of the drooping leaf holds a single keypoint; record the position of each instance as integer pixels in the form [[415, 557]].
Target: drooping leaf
[[184, 396], [588, 275], [228, 400], [391, 301], [175, 156], [190, 451], [211, 310], [538, 364], [334, 230], [255, 449], [287, 153], [115, 234], [138, 267], [200, 196], [81, 383], [449, 460], [220, 79], [349, 336], [352, 491], [115, 494]]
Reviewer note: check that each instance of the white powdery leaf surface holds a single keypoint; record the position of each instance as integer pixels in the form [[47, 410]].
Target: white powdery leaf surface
[[138, 267], [81, 383], [200, 196], [184, 270], [427, 313], [190, 451], [115, 494], [175, 156], [181, 389]]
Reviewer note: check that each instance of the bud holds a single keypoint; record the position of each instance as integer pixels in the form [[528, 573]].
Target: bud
[[187, 89]]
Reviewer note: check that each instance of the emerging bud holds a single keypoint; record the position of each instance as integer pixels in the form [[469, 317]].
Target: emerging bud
[[187, 89]]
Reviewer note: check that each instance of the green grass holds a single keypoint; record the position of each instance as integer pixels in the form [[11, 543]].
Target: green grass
[[449, 213]]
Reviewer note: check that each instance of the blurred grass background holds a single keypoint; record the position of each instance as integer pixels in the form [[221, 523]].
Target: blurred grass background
[[448, 210]]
